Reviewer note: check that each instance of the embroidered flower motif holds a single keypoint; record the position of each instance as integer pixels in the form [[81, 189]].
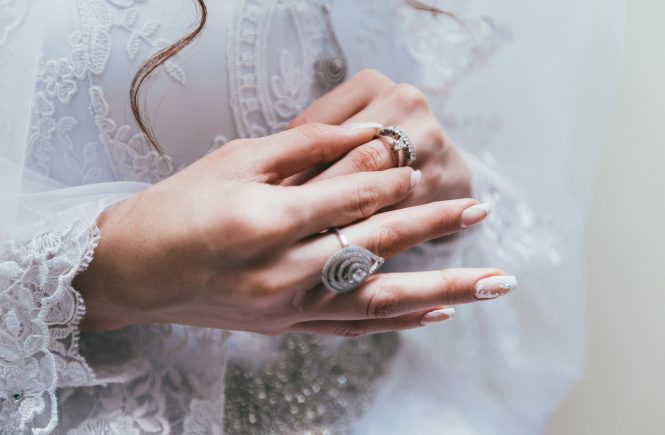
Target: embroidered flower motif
[[59, 80], [286, 87], [92, 44], [131, 161], [39, 315], [29, 370]]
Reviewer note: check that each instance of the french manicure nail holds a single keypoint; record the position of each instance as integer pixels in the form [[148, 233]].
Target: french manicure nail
[[438, 316], [474, 215], [365, 126], [416, 176], [495, 286]]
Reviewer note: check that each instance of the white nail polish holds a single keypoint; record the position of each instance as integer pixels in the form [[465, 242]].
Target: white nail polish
[[474, 215], [495, 286], [416, 176], [365, 126], [438, 316]]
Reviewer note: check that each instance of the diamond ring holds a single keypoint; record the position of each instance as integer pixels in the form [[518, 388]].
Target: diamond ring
[[349, 267], [401, 145]]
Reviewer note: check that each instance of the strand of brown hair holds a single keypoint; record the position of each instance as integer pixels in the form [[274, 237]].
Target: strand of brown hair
[[155, 61], [150, 66]]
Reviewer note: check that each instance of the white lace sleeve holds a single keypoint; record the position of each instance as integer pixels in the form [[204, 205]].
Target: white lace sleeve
[[40, 312]]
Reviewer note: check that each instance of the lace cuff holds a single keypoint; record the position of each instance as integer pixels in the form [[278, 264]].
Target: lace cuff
[[39, 317]]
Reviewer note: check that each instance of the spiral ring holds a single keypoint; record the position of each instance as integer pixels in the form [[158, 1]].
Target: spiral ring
[[349, 267]]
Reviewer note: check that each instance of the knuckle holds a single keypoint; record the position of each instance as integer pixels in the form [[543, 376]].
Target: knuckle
[[445, 221], [410, 96], [312, 131], [400, 324], [297, 121], [387, 240], [370, 157], [402, 184], [370, 76], [367, 200], [259, 287], [349, 331], [447, 284], [258, 228], [383, 303], [434, 134]]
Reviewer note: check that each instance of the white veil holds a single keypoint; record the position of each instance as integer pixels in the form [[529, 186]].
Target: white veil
[[31, 203]]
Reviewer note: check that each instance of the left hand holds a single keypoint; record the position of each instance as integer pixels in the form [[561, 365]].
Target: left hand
[[372, 97]]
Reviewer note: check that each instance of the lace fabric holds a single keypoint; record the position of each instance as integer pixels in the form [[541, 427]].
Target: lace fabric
[[39, 338]]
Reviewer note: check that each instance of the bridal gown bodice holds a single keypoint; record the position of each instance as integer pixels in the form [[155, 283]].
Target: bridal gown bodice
[[257, 64]]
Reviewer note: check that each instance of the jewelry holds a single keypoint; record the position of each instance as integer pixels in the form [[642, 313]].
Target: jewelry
[[349, 267], [401, 145]]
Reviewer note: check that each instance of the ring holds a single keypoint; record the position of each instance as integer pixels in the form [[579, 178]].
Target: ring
[[401, 145], [349, 267]]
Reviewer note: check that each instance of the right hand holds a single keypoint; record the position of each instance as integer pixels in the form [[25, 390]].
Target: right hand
[[221, 244]]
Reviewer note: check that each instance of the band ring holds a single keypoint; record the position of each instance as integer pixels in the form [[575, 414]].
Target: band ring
[[401, 145], [348, 267]]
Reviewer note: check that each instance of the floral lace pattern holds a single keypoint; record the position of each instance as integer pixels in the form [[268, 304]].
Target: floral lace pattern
[[40, 313], [115, 153], [264, 103]]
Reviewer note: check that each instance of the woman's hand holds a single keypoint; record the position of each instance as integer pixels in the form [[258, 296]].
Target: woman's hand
[[372, 97], [222, 244]]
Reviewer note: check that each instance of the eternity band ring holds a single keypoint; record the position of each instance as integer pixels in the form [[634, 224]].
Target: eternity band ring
[[401, 144], [349, 267]]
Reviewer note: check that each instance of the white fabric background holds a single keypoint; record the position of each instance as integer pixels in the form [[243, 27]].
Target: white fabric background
[[624, 389]]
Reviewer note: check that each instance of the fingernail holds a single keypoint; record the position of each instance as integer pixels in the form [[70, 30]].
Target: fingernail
[[365, 125], [416, 176], [438, 316], [474, 215], [495, 286]]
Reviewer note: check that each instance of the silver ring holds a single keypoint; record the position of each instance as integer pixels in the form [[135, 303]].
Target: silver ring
[[349, 267], [402, 145]]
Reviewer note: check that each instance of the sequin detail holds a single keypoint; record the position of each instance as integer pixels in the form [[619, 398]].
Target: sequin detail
[[310, 389]]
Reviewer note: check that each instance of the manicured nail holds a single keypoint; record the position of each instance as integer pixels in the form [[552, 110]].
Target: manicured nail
[[495, 286], [416, 176], [365, 126], [474, 215], [438, 316]]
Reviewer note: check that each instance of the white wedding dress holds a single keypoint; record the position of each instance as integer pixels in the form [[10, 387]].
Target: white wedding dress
[[504, 79]]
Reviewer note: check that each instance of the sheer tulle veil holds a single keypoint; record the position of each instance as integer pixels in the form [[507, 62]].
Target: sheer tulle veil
[[30, 202], [536, 111]]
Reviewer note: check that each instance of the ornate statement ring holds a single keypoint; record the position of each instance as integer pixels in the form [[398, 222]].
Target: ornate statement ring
[[349, 267], [401, 144]]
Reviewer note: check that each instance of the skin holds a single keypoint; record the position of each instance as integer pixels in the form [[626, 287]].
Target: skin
[[231, 242], [372, 97]]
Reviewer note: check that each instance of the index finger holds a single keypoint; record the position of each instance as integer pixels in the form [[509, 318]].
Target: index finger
[[293, 151]]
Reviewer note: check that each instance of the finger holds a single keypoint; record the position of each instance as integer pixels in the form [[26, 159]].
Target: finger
[[358, 328], [375, 155], [346, 100], [276, 157], [393, 106], [411, 116], [387, 234], [395, 294], [344, 200]]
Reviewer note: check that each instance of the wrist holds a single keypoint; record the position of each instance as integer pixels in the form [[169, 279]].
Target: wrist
[[97, 282]]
